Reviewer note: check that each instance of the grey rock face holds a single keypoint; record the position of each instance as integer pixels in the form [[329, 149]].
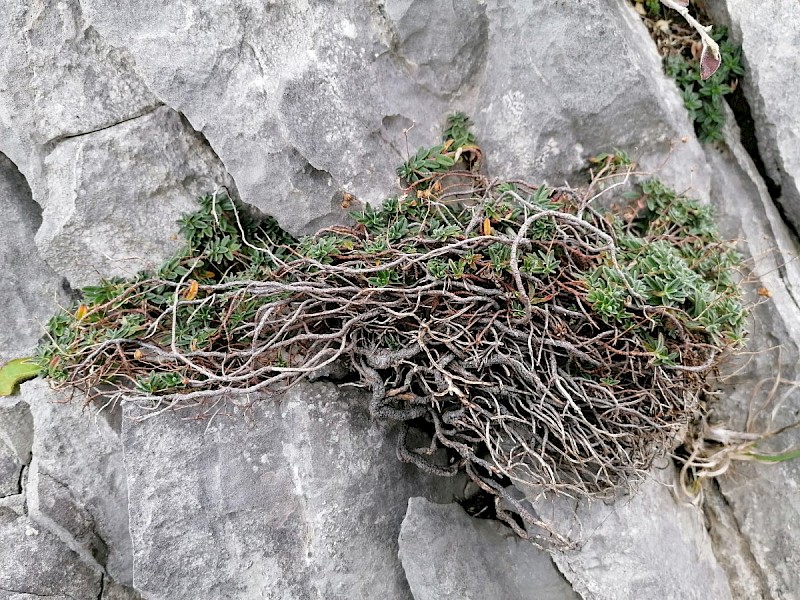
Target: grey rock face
[[76, 483], [115, 591], [16, 439], [33, 562], [60, 79], [448, 555], [319, 104], [643, 546], [16, 428], [768, 32], [10, 471], [303, 501], [119, 114], [760, 502], [545, 105], [30, 291], [113, 196]]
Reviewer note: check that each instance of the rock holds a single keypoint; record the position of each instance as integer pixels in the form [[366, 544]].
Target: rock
[[10, 471], [114, 196], [545, 104], [119, 114], [30, 291], [304, 499], [76, 483], [16, 428], [16, 438], [643, 546], [115, 591], [320, 104], [14, 504], [759, 503], [61, 79], [448, 555], [34, 563], [15, 596], [768, 35]]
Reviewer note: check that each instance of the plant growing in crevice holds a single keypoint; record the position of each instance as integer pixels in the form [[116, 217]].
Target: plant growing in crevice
[[703, 98], [711, 449], [532, 338], [702, 89], [710, 57]]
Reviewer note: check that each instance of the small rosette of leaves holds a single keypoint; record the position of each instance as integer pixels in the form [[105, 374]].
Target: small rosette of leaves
[[671, 257], [457, 150]]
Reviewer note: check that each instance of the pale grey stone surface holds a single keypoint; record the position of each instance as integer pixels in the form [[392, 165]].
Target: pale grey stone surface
[[304, 500], [113, 197], [448, 555], [320, 103], [546, 105], [764, 500], [35, 562], [10, 471], [16, 438], [115, 591], [76, 483], [16, 427], [645, 546], [119, 114], [60, 79], [769, 33], [30, 291], [14, 504]]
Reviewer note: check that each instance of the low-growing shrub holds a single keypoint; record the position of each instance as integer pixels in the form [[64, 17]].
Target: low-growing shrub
[[533, 338]]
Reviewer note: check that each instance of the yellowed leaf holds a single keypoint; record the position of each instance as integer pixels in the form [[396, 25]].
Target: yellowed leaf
[[81, 312], [191, 293]]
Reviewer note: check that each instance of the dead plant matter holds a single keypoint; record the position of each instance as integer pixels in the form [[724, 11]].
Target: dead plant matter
[[535, 339]]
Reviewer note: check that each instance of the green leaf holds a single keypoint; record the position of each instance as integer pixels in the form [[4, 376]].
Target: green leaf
[[15, 372], [776, 458]]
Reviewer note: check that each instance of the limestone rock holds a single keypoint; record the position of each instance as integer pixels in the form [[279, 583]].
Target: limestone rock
[[761, 501], [303, 501], [448, 555], [30, 291], [34, 563], [13, 504], [545, 104], [119, 114], [16, 428], [645, 546], [320, 104], [768, 34], [10, 470], [16, 438], [113, 197], [115, 591], [76, 483], [60, 79]]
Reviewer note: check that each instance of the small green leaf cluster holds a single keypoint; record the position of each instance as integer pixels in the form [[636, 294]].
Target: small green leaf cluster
[[220, 229], [458, 130], [672, 257], [652, 7], [127, 309], [457, 138], [425, 163], [703, 99]]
